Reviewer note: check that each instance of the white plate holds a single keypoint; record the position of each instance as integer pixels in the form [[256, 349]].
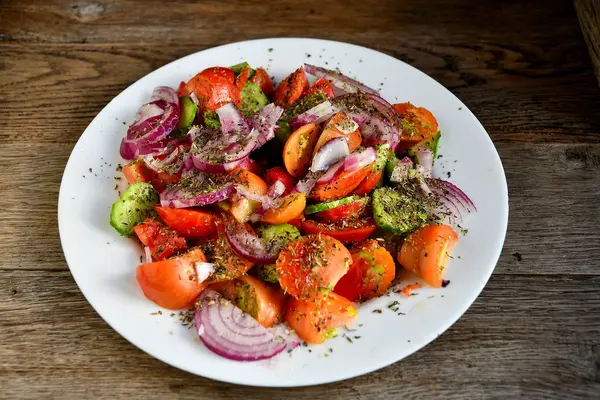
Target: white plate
[[103, 263]]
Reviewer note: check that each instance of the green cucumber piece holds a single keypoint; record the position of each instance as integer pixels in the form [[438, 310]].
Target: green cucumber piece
[[253, 98], [383, 153], [390, 163], [433, 144], [238, 68], [187, 113], [396, 212], [304, 104], [279, 236], [134, 206], [211, 120], [315, 208]]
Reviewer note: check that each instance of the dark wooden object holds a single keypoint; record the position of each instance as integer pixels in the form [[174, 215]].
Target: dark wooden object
[[522, 67]]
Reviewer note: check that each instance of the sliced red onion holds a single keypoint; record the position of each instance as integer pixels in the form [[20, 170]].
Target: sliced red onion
[[147, 254], [166, 94], [264, 122], [130, 150], [452, 198], [229, 332], [172, 164], [203, 270], [360, 159], [331, 173], [214, 168], [331, 152], [425, 159], [217, 153], [194, 98], [197, 189], [232, 120], [249, 246], [276, 190], [306, 184], [317, 114], [378, 120], [339, 80], [401, 171]]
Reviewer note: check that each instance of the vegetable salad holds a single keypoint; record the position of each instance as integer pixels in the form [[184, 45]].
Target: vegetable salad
[[273, 210]]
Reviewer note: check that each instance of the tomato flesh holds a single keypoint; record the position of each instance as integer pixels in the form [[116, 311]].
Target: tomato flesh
[[162, 241], [360, 229]]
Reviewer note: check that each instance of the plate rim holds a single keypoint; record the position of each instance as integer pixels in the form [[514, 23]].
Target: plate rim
[[448, 322]]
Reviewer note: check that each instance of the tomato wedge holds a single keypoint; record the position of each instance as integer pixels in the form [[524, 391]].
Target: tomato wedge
[[426, 251], [135, 171], [370, 275], [340, 125], [345, 211], [357, 230], [172, 283], [312, 264], [292, 208], [280, 174], [369, 183], [291, 88], [298, 150], [321, 85], [418, 124], [227, 264], [262, 301], [162, 241], [189, 223], [242, 207], [342, 185], [262, 79], [316, 321], [243, 77], [214, 87]]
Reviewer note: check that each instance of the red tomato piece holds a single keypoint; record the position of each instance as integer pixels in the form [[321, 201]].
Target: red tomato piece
[[322, 85], [280, 174], [243, 78], [172, 283], [370, 275], [369, 183], [345, 211], [162, 241], [342, 184], [189, 223], [316, 321], [359, 230], [291, 88], [262, 79]]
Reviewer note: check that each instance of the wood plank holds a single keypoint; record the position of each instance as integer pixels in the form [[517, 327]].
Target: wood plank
[[553, 219], [588, 12], [526, 336]]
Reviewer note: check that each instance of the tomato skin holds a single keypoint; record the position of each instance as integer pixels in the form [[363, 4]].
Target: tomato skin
[[332, 130], [311, 264], [172, 283], [345, 211], [242, 78], [291, 209], [262, 79], [188, 223], [418, 124], [280, 174], [291, 88], [321, 85], [370, 275], [269, 298], [298, 149], [425, 252], [241, 207], [162, 241], [363, 230], [214, 87], [369, 183], [342, 185], [315, 321], [182, 90], [135, 171]]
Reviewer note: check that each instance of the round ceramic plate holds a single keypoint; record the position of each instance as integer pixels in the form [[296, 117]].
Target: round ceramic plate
[[103, 263]]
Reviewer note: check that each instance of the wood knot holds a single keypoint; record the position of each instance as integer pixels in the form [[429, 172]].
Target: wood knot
[[88, 11]]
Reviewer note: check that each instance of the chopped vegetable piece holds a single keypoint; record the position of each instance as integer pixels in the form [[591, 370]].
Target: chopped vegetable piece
[[262, 79], [426, 252], [135, 205], [354, 230], [340, 125], [298, 150], [162, 241], [396, 212], [348, 211], [291, 88], [315, 208], [292, 208], [342, 184], [253, 99], [187, 114], [188, 223], [418, 124]]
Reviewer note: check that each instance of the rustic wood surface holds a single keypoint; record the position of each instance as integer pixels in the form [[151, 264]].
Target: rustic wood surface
[[522, 67]]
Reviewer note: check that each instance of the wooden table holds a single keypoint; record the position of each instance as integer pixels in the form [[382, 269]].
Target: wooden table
[[522, 67]]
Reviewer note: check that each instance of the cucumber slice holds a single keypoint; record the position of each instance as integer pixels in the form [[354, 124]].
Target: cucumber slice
[[433, 144], [383, 153], [390, 163], [315, 208], [238, 68], [253, 99], [211, 120], [187, 113], [134, 206], [396, 212], [275, 235]]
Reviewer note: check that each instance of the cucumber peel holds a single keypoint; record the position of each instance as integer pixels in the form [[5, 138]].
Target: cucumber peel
[[187, 114], [315, 208]]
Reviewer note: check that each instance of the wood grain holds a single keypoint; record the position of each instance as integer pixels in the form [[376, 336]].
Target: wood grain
[[588, 12], [522, 67]]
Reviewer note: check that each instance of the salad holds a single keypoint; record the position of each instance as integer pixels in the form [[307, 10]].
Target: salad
[[271, 212]]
